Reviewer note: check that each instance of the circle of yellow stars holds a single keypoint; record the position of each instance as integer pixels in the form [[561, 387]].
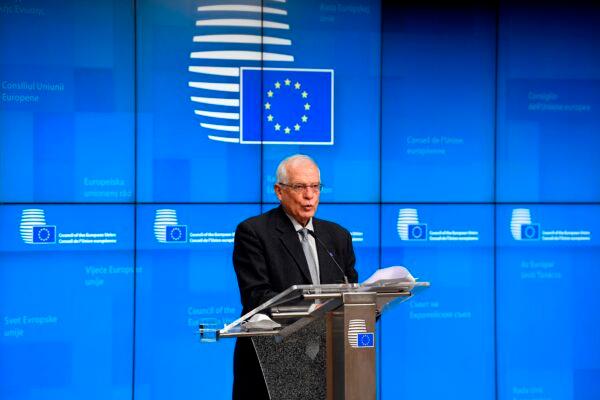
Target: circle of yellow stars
[[270, 118]]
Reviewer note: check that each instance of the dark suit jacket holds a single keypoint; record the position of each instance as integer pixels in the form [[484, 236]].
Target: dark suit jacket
[[268, 258]]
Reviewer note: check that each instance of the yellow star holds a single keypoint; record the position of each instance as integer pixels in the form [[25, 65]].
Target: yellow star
[[267, 106], [270, 118], [270, 93], [307, 106], [297, 85], [304, 118], [277, 85], [277, 127], [304, 94], [287, 82], [296, 127], [287, 130]]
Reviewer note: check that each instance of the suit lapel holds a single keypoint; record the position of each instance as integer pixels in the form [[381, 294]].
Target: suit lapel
[[289, 238], [328, 275]]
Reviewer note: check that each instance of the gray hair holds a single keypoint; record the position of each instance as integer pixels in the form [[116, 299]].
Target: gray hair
[[281, 173]]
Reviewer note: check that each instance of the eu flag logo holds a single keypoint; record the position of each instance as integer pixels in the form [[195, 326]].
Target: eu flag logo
[[530, 231], [417, 232], [44, 234], [176, 233], [286, 106], [366, 340]]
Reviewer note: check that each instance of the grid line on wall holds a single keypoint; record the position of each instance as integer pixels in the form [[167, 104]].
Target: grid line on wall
[[135, 193], [379, 213], [495, 199]]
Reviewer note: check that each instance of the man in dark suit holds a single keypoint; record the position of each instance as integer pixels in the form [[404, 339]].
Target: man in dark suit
[[273, 251]]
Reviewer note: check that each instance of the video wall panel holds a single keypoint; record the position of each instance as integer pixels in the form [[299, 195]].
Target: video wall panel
[[438, 88], [66, 310], [548, 98], [185, 151], [347, 145], [185, 278], [440, 344], [66, 102], [547, 273]]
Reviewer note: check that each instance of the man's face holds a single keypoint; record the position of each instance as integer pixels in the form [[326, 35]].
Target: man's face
[[300, 204]]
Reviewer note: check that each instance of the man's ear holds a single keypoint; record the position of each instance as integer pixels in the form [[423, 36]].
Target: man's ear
[[277, 189]]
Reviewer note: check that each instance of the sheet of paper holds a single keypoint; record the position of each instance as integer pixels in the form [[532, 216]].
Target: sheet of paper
[[260, 322], [390, 275]]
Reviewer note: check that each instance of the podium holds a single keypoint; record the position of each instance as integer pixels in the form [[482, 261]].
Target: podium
[[321, 341]]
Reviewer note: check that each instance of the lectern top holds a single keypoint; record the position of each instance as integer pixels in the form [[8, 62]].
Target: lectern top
[[310, 301]]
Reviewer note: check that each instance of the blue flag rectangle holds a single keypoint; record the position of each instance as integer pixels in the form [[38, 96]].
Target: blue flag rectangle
[[286, 106], [176, 233], [417, 231], [366, 340], [530, 232], [44, 234]]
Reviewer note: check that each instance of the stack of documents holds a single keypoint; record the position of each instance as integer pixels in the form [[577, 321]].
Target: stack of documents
[[260, 322], [390, 276]]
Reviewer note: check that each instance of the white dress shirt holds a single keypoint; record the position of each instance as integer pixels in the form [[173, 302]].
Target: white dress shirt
[[311, 240]]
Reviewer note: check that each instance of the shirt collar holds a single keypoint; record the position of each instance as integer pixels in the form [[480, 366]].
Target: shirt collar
[[298, 226]]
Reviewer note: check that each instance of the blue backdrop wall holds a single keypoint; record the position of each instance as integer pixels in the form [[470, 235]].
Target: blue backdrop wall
[[458, 140]]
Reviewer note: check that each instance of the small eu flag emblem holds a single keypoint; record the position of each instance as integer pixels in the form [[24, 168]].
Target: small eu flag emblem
[[176, 233], [44, 234], [286, 106], [366, 340], [417, 231], [530, 231]]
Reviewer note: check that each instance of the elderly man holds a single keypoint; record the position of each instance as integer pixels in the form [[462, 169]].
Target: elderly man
[[276, 250]]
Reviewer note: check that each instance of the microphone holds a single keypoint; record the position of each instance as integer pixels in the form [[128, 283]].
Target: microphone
[[329, 253]]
